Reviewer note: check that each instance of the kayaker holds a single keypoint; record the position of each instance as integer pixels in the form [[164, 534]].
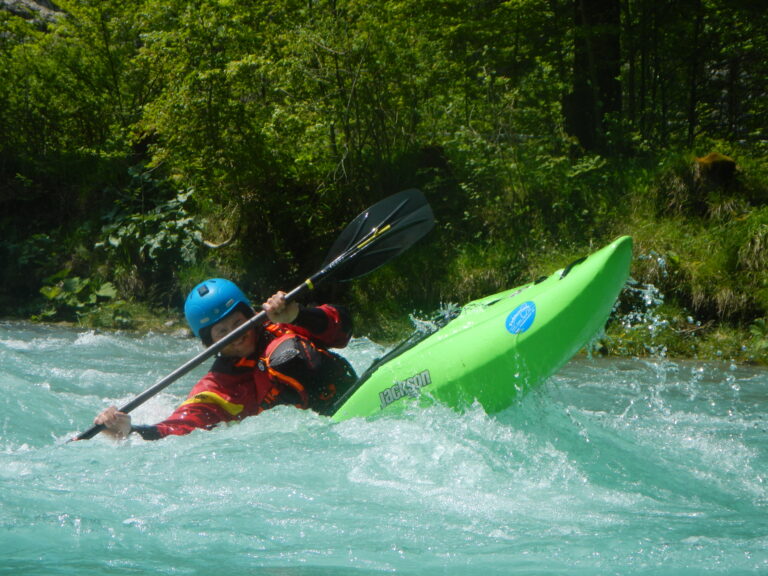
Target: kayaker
[[283, 361]]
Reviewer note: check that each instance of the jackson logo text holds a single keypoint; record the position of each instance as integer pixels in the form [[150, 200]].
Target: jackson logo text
[[408, 387]]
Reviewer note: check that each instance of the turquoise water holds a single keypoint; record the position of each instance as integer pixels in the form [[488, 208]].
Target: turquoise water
[[612, 467]]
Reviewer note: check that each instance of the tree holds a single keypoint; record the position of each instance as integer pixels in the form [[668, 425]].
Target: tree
[[596, 70]]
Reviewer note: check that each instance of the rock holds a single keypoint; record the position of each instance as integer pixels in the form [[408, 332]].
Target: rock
[[41, 11], [714, 169]]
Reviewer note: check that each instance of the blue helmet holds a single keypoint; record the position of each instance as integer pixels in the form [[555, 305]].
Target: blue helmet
[[210, 301]]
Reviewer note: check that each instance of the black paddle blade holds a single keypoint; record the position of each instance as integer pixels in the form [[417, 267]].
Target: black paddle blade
[[379, 234]]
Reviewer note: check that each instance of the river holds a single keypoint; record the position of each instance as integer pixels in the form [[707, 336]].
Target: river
[[613, 466]]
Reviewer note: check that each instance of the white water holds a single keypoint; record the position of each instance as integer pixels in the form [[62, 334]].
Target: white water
[[611, 467]]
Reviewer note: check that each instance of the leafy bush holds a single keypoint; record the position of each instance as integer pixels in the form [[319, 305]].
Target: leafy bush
[[148, 235], [70, 297]]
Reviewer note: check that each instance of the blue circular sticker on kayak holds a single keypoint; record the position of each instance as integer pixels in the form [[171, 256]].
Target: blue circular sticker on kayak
[[521, 318]]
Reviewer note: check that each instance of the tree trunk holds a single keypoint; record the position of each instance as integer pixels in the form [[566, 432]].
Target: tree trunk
[[693, 77], [596, 67]]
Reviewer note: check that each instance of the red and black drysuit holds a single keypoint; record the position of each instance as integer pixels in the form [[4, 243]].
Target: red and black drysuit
[[291, 366]]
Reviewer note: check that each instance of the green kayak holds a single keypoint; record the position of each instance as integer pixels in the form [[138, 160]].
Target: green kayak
[[499, 346]]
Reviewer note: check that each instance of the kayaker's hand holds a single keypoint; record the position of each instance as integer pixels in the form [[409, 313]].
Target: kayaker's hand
[[117, 424], [279, 311]]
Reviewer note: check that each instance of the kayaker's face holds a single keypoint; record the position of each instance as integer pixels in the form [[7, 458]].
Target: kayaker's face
[[245, 345]]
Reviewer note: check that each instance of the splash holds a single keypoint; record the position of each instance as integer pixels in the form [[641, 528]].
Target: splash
[[444, 314], [639, 308]]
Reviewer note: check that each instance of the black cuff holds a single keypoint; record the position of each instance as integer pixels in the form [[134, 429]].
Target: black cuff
[[147, 432], [313, 319]]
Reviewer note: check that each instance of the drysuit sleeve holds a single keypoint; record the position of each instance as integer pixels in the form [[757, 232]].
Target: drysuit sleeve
[[204, 410]]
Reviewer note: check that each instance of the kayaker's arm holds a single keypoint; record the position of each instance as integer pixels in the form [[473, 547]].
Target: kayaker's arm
[[184, 420], [181, 422], [316, 319], [329, 325]]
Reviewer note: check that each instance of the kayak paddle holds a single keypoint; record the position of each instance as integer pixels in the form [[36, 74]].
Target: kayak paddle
[[376, 236]]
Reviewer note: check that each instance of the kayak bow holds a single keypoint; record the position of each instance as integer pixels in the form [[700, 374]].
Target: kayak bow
[[499, 346]]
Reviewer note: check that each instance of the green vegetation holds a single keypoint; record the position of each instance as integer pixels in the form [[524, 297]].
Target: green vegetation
[[147, 145]]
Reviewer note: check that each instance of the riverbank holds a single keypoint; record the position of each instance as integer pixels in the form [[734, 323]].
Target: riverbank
[[698, 289], [654, 330]]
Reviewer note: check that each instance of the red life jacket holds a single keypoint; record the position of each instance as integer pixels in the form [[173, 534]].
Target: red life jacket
[[310, 371]]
